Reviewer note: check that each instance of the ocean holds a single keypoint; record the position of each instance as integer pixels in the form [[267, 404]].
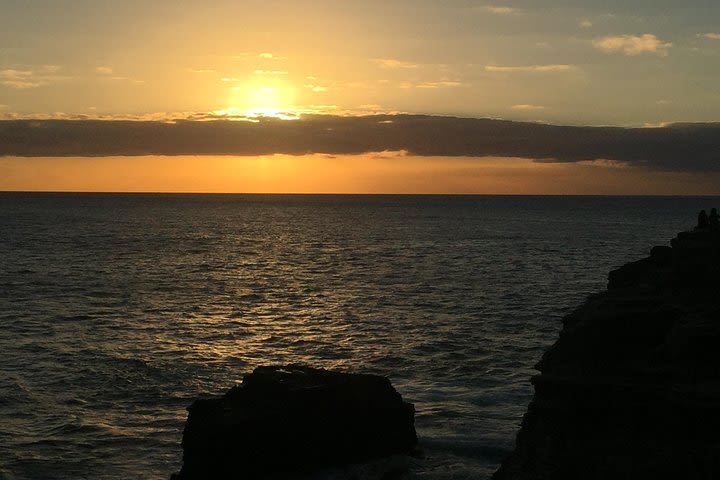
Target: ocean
[[118, 310]]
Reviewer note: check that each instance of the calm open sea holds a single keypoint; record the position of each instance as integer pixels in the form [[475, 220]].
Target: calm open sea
[[116, 311]]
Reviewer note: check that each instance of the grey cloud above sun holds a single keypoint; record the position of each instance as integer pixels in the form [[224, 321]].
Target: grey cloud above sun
[[680, 147]]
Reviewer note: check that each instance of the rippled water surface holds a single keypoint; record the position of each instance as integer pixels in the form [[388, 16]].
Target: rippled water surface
[[116, 311]]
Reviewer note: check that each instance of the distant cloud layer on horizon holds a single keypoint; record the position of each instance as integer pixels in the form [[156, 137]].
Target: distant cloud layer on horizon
[[678, 147]]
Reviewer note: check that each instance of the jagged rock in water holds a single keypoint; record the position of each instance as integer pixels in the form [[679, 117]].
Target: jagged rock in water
[[631, 390], [295, 419]]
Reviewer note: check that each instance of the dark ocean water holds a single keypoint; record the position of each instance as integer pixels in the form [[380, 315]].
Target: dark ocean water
[[116, 311]]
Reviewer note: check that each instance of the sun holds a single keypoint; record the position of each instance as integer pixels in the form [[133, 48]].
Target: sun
[[263, 98]]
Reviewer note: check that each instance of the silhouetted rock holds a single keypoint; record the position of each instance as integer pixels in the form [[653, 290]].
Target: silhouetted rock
[[631, 390], [294, 419]]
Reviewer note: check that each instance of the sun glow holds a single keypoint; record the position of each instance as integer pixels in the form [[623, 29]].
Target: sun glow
[[266, 98]]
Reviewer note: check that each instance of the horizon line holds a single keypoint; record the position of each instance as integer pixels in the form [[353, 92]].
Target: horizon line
[[385, 194]]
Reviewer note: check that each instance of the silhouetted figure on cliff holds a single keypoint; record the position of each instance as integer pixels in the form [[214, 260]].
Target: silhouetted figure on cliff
[[714, 219], [703, 220]]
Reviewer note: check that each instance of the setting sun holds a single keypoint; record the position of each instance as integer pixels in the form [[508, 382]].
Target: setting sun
[[268, 98]]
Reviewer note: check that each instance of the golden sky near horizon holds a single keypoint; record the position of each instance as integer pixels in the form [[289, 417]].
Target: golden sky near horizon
[[625, 63], [385, 172]]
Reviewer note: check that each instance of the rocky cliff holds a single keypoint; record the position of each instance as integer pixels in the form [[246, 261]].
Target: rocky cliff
[[631, 390]]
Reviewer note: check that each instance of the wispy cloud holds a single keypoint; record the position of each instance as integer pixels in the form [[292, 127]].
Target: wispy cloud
[[119, 78], [710, 35], [585, 23], [394, 63], [270, 72], [527, 107], [107, 72], [529, 68], [270, 56], [500, 10], [19, 79], [633, 44], [431, 85], [439, 84], [203, 70], [316, 88], [38, 76]]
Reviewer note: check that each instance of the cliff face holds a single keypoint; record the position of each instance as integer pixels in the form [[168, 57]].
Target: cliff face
[[631, 390]]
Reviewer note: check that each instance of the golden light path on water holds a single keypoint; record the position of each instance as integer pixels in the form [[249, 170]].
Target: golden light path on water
[[129, 307], [380, 172]]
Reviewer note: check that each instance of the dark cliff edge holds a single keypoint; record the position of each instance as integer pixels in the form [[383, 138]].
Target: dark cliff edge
[[295, 419], [631, 389]]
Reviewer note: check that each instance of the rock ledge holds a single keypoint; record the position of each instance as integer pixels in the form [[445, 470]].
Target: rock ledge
[[292, 419]]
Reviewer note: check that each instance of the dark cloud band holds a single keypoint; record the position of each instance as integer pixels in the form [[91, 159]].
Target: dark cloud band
[[678, 147]]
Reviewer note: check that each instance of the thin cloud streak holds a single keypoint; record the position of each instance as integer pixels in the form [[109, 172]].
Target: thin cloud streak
[[678, 147], [527, 106], [316, 88], [19, 79], [529, 68], [25, 78], [394, 63], [500, 10], [633, 44], [271, 72]]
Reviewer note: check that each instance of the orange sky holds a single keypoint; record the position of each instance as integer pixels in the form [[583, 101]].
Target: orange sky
[[582, 63], [387, 172], [623, 64]]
